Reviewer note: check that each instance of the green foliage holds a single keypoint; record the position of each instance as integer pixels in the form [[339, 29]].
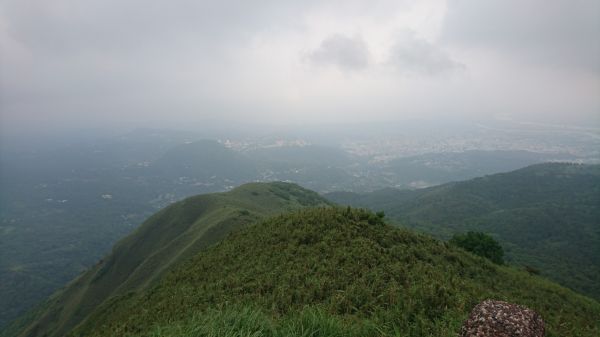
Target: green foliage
[[480, 244], [545, 216], [245, 321], [531, 270], [332, 272]]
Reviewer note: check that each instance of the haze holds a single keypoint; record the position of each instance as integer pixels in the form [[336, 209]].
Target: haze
[[69, 64], [135, 134]]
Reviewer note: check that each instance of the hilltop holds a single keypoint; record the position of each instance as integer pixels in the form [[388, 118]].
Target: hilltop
[[172, 235], [332, 272], [545, 216]]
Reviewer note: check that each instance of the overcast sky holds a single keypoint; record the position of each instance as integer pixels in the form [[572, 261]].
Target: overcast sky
[[74, 63]]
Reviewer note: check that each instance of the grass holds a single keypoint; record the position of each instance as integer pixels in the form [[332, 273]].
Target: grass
[[333, 272], [251, 322]]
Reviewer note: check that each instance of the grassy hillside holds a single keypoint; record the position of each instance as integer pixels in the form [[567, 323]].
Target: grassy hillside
[[546, 216], [62, 207], [332, 272], [170, 236]]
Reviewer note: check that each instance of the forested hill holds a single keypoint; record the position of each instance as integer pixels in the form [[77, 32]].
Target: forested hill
[[170, 236], [268, 259], [546, 216], [332, 272]]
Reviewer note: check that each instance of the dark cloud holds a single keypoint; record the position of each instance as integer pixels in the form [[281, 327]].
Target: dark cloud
[[347, 53], [411, 54]]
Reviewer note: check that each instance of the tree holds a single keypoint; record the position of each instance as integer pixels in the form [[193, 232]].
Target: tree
[[480, 244]]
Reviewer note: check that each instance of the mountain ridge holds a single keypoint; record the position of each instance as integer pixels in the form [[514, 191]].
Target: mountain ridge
[[346, 265], [166, 238], [545, 215], [172, 246]]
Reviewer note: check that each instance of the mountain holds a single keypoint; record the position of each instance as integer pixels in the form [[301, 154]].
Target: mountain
[[170, 236], [62, 209], [546, 216], [437, 168], [204, 160], [331, 272]]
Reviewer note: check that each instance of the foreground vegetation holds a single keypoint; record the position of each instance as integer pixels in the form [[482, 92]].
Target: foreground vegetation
[[332, 272]]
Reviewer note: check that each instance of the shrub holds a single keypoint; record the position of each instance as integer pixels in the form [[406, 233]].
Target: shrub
[[480, 244]]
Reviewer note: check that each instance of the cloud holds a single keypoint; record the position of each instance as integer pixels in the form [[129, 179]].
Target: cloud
[[548, 32], [68, 63], [346, 53], [412, 55]]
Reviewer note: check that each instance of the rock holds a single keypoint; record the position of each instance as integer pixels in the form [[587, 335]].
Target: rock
[[501, 319]]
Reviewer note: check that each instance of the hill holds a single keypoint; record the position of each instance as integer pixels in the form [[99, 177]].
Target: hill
[[546, 216], [332, 272], [437, 168], [63, 206], [170, 236], [204, 160], [316, 167]]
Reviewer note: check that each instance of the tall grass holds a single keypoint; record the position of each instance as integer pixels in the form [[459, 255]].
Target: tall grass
[[334, 272]]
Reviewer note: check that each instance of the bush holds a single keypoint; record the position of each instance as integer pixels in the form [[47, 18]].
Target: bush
[[480, 244]]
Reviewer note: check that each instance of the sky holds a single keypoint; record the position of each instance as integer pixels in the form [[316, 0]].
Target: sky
[[101, 63]]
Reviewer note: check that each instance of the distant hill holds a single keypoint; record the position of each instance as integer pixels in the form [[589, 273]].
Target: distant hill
[[546, 216], [315, 167], [204, 160], [170, 236], [437, 168], [332, 272]]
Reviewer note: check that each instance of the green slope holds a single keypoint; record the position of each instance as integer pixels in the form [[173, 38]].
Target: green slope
[[546, 216], [170, 236], [332, 272]]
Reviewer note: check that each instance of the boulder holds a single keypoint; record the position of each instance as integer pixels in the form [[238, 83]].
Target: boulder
[[501, 319]]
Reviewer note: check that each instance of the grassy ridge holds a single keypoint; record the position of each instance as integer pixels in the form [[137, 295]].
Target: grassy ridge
[[545, 216], [336, 272], [172, 235]]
